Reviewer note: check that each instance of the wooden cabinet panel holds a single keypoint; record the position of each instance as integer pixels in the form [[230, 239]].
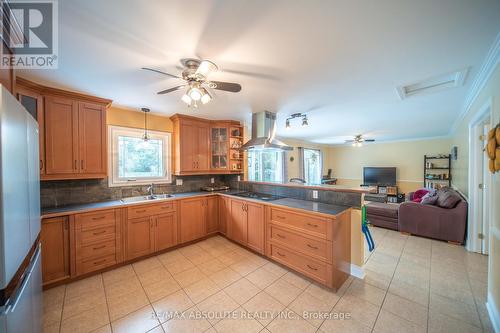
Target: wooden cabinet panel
[[255, 226], [188, 138], [212, 205], [61, 136], [140, 237], [55, 249], [7, 75], [92, 138], [224, 214], [302, 222], [33, 102], [165, 231], [237, 229], [193, 219], [203, 147]]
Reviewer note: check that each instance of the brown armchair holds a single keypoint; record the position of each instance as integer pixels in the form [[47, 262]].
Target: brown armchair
[[447, 224]]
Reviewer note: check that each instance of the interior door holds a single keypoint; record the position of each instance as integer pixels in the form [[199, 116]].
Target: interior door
[[192, 219], [92, 138], [165, 231], [238, 224], [203, 148], [61, 136], [255, 226], [140, 235], [212, 205]]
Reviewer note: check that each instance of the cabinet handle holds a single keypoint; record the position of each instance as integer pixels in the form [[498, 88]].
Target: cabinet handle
[[312, 225], [81, 164], [99, 247], [281, 254], [76, 164], [41, 165], [166, 207], [312, 247], [99, 262], [98, 218], [280, 236], [140, 211], [314, 269], [280, 217], [99, 233]]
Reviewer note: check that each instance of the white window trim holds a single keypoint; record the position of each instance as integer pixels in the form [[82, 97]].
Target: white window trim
[[113, 180], [302, 161], [283, 168]]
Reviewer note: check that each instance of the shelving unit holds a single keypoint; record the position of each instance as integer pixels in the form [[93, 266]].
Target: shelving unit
[[437, 171], [235, 153]]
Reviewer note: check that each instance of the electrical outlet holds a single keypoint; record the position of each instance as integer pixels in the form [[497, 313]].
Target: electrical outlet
[[239, 178], [315, 194], [212, 180], [178, 182]]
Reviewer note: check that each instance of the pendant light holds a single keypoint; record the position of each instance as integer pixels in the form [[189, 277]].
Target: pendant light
[[145, 137]]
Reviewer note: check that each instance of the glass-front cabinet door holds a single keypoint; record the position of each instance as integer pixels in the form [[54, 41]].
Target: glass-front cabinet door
[[219, 139]]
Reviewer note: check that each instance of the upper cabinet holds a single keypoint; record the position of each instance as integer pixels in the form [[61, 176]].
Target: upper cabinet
[[72, 131], [202, 146]]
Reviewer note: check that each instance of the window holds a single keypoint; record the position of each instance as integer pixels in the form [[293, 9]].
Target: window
[[312, 166], [134, 161], [266, 165]]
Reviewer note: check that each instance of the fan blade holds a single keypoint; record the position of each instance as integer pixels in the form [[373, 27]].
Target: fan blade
[[369, 140], [160, 72], [348, 141], [166, 91], [226, 86]]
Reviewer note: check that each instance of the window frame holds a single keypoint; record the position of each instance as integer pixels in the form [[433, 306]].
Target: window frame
[[320, 153], [283, 169], [113, 172]]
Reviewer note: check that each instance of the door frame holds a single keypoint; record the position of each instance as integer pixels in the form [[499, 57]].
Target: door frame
[[475, 177]]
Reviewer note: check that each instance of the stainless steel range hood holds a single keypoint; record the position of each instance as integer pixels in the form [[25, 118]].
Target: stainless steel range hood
[[264, 132]]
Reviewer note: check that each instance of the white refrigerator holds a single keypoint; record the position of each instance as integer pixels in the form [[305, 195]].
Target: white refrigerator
[[20, 261]]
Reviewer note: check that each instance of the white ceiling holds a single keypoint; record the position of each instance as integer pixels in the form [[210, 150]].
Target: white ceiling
[[340, 61]]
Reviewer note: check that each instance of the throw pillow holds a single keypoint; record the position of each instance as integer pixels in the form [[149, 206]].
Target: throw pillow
[[429, 199], [419, 194], [447, 199]]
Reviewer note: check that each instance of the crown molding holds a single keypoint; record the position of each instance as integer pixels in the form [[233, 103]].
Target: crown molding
[[488, 67]]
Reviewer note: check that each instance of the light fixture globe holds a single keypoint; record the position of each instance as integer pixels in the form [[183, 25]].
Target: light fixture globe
[[206, 97], [195, 94], [186, 99]]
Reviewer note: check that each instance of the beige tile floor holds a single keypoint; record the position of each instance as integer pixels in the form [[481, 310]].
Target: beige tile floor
[[412, 285]]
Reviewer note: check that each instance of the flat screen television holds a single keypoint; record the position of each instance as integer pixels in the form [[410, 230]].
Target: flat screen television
[[379, 176]]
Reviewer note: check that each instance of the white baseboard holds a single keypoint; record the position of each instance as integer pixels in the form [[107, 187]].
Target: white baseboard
[[357, 271], [493, 313]]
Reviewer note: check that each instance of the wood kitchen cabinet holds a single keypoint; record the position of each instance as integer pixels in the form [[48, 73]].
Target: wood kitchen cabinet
[[55, 239], [212, 214], [140, 237], [247, 224], [166, 231], [72, 131], [224, 214], [191, 145], [193, 219]]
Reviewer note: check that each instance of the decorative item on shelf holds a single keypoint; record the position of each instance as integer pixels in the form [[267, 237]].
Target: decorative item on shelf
[[392, 190], [382, 189], [493, 149], [454, 153], [235, 132]]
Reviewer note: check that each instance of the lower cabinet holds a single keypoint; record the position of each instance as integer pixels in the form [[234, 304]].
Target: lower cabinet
[[165, 231], [140, 237], [212, 214], [224, 214], [247, 224], [193, 219], [55, 249]]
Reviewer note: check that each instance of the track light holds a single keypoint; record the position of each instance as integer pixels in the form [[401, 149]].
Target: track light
[[304, 121], [296, 115], [287, 124]]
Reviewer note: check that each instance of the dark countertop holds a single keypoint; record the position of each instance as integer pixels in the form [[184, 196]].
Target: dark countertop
[[306, 205]]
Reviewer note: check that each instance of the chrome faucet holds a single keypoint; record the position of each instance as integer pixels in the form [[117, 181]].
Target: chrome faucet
[[151, 190]]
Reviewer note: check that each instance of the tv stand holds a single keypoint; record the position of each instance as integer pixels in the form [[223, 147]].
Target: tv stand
[[376, 197]]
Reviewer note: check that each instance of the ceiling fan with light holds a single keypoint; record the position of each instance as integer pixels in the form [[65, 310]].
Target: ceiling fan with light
[[195, 74], [358, 140]]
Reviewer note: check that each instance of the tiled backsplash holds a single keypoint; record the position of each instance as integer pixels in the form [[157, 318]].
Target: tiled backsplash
[[351, 199], [69, 192]]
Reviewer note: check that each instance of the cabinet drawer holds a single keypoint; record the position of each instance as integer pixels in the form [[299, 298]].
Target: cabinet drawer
[[165, 207], [141, 211], [98, 234], [98, 250], [319, 248], [98, 263], [312, 224], [90, 221], [315, 269]]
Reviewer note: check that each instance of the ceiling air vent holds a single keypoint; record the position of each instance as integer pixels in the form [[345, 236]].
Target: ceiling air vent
[[438, 83]]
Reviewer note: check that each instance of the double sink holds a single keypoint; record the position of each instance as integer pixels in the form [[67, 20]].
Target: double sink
[[143, 198]]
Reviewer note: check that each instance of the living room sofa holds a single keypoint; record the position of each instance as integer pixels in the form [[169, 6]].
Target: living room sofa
[[446, 220]]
